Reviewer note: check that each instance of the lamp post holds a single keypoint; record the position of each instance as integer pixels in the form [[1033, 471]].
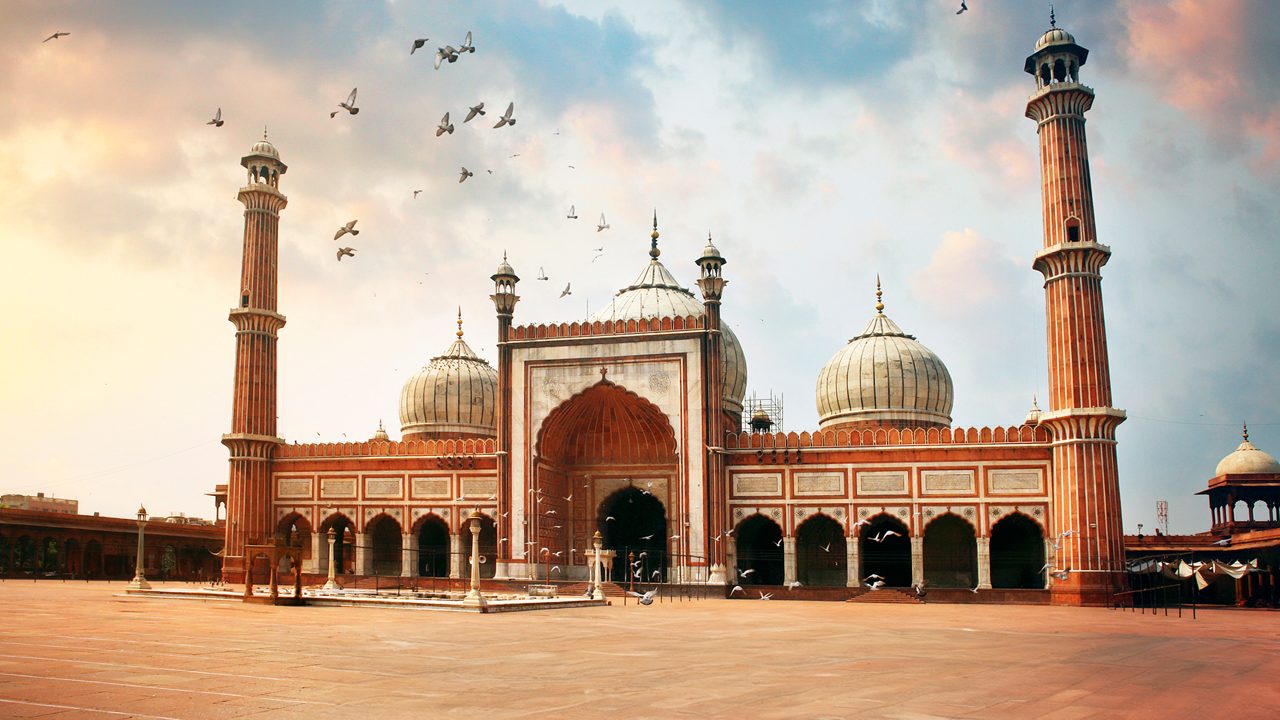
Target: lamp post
[[139, 581], [597, 592], [332, 583], [474, 598]]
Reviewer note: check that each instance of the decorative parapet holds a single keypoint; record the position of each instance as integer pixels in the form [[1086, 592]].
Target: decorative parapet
[[1013, 435], [606, 327], [388, 448]]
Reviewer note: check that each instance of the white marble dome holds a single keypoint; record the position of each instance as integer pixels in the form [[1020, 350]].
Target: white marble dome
[[454, 394], [1055, 36], [884, 376], [263, 147], [1247, 459], [656, 294]]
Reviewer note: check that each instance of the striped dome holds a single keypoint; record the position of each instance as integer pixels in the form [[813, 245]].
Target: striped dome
[[884, 376], [454, 394], [657, 294]]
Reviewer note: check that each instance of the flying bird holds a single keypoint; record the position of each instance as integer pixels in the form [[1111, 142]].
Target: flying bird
[[919, 588], [973, 590], [657, 573], [1059, 575], [963, 7], [464, 175], [54, 36], [745, 573], [646, 537], [886, 535], [610, 518], [737, 588], [415, 194], [567, 291], [872, 575], [349, 105], [603, 224], [417, 45], [466, 46], [766, 596], [793, 584], [876, 585], [506, 118], [826, 548], [542, 274], [348, 228], [645, 599], [217, 119], [349, 252], [573, 213], [863, 521], [446, 53], [1223, 542], [779, 543], [445, 126], [473, 111]]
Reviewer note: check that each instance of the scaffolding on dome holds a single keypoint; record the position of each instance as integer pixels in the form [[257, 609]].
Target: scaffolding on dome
[[772, 407]]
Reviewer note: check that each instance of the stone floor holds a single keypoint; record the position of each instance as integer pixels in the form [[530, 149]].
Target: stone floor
[[78, 650]]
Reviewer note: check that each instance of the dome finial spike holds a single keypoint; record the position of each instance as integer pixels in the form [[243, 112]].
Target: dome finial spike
[[879, 296], [1246, 431], [459, 322], [1053, 19], [264, 132], [654, 252]]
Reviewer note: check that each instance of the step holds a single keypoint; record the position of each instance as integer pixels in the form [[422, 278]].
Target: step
[[888, 596]]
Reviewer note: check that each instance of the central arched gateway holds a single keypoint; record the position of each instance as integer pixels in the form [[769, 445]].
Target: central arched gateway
[[606, 453]]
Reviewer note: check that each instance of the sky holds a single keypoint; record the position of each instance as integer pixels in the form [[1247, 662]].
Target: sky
[[820, 143]]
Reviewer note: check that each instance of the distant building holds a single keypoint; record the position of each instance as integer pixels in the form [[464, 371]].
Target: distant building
[[40, 502]]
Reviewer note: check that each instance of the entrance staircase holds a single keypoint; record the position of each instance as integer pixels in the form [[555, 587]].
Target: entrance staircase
[[611, 590], [888, 596]]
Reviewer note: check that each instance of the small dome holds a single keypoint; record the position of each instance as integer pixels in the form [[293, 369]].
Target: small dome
[[1055, 36], [381, 433], [657, 294], [453, 395], [710, 250], [1247, 459], [884, 377], [1034, 414], [504, 268], [263, 147]]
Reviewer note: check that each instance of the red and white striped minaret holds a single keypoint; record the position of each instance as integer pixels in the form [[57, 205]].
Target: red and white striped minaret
[[711, 282], [1081, 420], [252, 440]]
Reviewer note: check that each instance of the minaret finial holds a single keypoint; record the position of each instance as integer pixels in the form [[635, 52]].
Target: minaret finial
[[879, 295], [1246, 432], [654, 252], [1053, 19], [264, 132], [459, 322]]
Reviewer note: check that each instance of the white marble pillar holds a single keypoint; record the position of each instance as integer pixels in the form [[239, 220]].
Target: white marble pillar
[[456, 557], [1051, 557], [917, 560], [788, 560], [984, 563], [853, 562], [409, 551], [318, 547], [364, 556], [731, 560]]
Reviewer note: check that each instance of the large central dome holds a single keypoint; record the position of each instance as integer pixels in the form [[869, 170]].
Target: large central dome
[[884, 377], [657, 294], [454, 395]]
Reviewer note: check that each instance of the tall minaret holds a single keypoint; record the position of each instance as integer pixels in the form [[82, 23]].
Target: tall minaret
[[711, 282], [1086, 496], [252, 440], [504, 302]]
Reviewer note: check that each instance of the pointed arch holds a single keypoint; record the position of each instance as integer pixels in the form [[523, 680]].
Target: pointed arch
[[758, 544], [890, 556], [821, 551], [950, 552]]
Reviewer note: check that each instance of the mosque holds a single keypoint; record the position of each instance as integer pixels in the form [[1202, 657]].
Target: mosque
[[629, 424]]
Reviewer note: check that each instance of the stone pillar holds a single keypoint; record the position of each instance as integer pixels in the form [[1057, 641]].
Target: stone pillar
[[312, 564], [788, 560], [455, 555], [598, 570], [984, 563], [409, 551], [473, 597], [917, 560], [1051, 557], [331, 583], [731, 560], [853, 562], [364, 558]]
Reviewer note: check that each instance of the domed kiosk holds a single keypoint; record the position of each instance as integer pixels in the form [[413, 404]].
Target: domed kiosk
[[1244, 493], [884, 378]]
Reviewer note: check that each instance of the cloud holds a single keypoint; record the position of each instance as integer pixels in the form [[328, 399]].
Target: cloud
[[965, 276], [1216, 62]]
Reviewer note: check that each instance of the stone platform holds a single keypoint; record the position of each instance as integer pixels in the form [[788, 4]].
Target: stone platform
[[445, 601]]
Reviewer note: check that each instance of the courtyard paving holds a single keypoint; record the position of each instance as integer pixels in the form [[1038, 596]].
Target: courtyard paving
[[77, 650]]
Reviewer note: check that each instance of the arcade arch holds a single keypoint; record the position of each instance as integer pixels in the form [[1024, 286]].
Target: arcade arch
[[343, 544], [950, 552], [820, 552], [890, 556], [1017, 553], [385, 548], [433, 547], [758, 545], [638, 529]]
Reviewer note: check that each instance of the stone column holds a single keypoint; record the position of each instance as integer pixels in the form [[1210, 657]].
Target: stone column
[[409, 552], [1051, 557], [330, 568], [312, 564], [455, 555], [473, 597], [984, 563], [788, 560], [731, 560], [364, 558], [597, 591], [917, 560], [853, 561]]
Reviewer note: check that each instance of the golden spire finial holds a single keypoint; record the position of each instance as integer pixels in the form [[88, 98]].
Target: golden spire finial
[[654, 252], [459, 322], [1246, 432], [879, 295]]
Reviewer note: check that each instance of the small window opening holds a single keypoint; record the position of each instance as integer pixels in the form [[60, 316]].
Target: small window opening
[[244, 300], [1073, 230]]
